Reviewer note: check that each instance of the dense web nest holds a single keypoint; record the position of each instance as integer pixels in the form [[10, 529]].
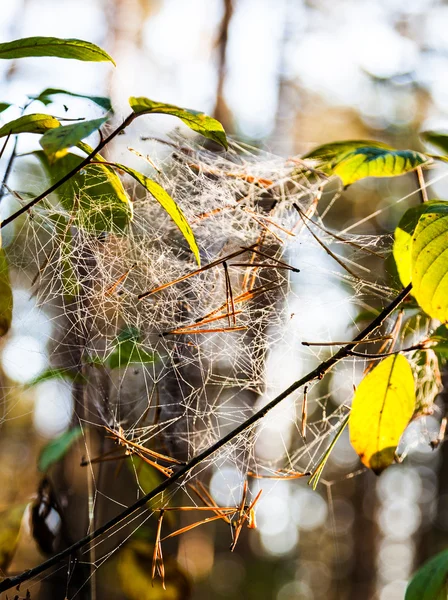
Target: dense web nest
[[215, 342]]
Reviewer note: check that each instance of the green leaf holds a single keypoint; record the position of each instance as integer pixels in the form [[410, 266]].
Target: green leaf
[[168, 204], [429, 264], [95, 195], [46, 97], [403, 238], [128, 350], [10, 524], [49, 374], [4, 106], [55, 450], [56, 141], [35, 123], [318, 470], [354, 160], [195, 120], [382, 407], [366, 315], [51, 46], [430, 581], [440, 140], [6, 299]]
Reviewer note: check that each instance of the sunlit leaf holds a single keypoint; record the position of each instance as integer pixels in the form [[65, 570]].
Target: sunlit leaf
[[95, 195], [129, 350], [403, 238], [197, 121], [168, 204], [429, 262], [134, 571], [382, 407], [51, 46], [55, 142], [35, 123], [6, 300], [328, 152], [10, 523], [46, 97], [354, 160], [430, 581], [55, 450]]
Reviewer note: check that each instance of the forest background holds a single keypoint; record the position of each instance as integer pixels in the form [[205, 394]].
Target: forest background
[[286, 76]]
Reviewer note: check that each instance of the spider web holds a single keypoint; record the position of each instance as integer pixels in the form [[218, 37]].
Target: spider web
[[199, 385], [280, 278]]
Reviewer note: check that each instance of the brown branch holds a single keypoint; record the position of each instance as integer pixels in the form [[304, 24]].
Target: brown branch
[[70, 174], [316, 374]]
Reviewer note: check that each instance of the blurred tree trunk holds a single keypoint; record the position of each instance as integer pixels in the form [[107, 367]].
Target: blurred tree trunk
[[221, 110]]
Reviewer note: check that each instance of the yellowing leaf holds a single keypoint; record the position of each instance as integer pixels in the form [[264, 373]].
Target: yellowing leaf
[[382, 407], [95, 195], [5, 295], [10, 523], [354, 160], [403, 238], [429, 261], [327, 153], [35, 123], [56, 141], [51, 46], [195, 120], [168, 204]]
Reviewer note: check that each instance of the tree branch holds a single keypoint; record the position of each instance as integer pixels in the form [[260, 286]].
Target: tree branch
[[317, 374], [70, 174]]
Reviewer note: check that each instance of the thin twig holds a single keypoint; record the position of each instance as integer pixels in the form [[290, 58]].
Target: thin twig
[[192, 273], [8, 169], [327, 250], [421, 184], [276, 260], [342, 239], [283, 475], [229, 296], [304, 411], [316, 374], [71, 173], [376, 339]]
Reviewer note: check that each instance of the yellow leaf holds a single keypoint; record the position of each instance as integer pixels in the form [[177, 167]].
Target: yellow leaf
[[381, 410], [134, 570], [5, 296], [10, 523]]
